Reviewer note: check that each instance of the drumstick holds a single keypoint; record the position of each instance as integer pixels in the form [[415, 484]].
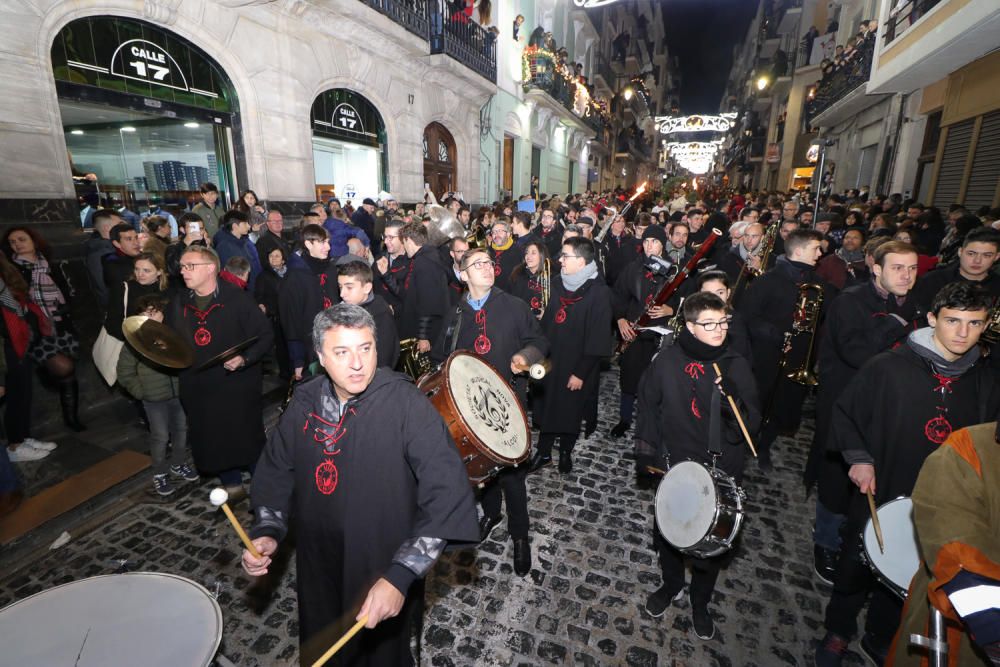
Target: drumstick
[[656, 471], [340, 642], [218, 497], [875, 524], [536, 371], [739, 419]]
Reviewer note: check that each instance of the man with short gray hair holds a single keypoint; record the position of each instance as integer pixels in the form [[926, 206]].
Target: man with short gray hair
[[376, 490]]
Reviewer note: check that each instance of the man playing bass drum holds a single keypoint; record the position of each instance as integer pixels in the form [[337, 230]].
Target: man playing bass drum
[[500, 329], [684, 415]]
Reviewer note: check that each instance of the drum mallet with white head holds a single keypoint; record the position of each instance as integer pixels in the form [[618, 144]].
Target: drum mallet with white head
[[536, 371], [218, 497]]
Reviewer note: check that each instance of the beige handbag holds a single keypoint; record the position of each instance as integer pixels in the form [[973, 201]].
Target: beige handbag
[[107, 349]]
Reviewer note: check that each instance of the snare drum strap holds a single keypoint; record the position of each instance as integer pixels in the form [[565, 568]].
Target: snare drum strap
[[451, 334]]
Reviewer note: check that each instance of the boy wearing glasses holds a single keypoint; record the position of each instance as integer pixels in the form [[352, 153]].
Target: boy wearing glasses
[[501, 329], [684, 415]]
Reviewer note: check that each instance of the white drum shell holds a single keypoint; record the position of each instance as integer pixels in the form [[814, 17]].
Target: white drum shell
[[142, 618], [901, 559]]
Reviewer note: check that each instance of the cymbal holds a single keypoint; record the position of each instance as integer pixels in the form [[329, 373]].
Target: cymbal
[[157, 342], [227, 354]]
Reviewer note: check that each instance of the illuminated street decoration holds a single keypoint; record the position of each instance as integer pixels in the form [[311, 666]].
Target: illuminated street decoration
[[695, 156], [590, 4], [672, 124]]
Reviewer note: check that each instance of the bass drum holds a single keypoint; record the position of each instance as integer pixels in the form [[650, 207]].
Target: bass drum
[[901, 560], [699, 510], [141, 618], [482, 414]]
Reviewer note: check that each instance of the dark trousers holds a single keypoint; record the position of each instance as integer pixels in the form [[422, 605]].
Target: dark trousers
[[704, 571], [18, 395], [234, 476], [566, 442], [511, 485], [853, 583]]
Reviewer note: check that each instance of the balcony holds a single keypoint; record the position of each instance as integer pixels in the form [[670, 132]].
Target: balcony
[[924, 41], [546, 81], [410, 15], [842, 93], [604, 77], [461, 39]]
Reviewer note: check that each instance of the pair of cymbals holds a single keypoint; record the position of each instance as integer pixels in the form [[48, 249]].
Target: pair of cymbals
[[164, 346]]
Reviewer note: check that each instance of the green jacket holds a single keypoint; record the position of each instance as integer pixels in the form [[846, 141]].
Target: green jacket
[[210, 217], [144, 382]]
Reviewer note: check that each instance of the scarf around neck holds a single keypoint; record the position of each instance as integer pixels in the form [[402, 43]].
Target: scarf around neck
[[573, 282], [696, 349], [921, 341]]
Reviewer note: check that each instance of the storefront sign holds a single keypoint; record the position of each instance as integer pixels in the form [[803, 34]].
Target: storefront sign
[[346, 117], [140, 60]]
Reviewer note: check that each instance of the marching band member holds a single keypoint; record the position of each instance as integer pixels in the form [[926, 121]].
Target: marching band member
[[364, 468], [391, 267], [980, 251], [861, 321], [504, 253], [577, 324], [354, 279], [500, 329], [532, 281], [425, 286], [683, 415], [899, 408]]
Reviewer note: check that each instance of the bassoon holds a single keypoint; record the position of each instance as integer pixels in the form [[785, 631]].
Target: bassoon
[[668, 290]]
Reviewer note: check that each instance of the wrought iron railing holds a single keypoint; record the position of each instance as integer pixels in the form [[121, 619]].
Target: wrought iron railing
[[905, 14], [454, 34], [411, 14], [838, 82], [542, 72]]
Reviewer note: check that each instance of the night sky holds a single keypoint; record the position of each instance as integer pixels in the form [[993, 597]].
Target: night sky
[[701, 33]]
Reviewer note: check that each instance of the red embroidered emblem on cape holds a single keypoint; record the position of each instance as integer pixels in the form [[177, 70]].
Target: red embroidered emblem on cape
[[564, 302], [536, 303], [482, 344], [326, 477], [202, 336], [326, 302], [694, 408], [937, 429]]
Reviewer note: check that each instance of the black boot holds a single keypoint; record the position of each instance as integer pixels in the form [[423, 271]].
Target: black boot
[[539, 460], [620, 429], [522, 556], [69, 399], [565, 460]]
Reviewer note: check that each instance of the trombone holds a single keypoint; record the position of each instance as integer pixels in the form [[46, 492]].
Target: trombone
[[804, 321]]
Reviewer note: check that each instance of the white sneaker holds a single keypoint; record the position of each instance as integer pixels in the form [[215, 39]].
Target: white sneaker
[[24, 452], [43, 445]]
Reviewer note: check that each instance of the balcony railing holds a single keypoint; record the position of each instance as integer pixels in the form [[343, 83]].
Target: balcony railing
[[411, 14], [905, 14], [467, 42], [541, 72], [840, 81]]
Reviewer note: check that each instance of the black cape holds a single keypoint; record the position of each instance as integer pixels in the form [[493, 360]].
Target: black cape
[[303, 293], [620, 251], [389, 285], [224, 410], [425, 302], [386, 336], [634, 290], [356, 489], [578, 327], [505, 261], [674, 402]]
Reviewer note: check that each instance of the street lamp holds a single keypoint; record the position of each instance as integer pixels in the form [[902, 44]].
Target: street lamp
[[627, 93], [762, 83]]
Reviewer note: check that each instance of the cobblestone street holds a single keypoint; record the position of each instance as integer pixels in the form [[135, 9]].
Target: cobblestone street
[[581, 604]]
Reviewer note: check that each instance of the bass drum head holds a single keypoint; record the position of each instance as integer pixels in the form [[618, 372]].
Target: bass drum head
[[686, 504], [141, 618], [902, 554], [488, 406]]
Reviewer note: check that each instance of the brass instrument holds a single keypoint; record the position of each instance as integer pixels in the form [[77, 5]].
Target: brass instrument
[[476, 238], [676, 322], [804, 321], [411, 362], [546, 282], [763, 251], [991, 333]]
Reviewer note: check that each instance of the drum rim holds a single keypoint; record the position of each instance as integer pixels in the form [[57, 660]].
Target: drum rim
[[868, 553], [219, 623], [656, 503], [467, 429], [699, 548]]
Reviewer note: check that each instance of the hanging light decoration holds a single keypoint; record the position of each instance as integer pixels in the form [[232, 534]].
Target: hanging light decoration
[[697, 123]]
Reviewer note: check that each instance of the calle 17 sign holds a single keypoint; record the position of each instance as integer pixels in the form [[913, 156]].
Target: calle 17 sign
[[141, 60]]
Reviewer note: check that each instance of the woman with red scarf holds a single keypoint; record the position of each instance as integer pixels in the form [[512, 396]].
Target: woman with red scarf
[[22, 324]]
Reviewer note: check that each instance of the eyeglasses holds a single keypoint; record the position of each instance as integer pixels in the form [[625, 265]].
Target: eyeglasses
[[564, 255], [190, 267], [480, 264], [710, 326], [390, 236]]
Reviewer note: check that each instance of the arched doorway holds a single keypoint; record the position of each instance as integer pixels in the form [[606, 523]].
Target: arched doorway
[[350, 159], [147, 115], [439, 160]]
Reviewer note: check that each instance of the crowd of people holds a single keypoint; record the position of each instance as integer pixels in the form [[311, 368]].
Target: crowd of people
[[886, 304]]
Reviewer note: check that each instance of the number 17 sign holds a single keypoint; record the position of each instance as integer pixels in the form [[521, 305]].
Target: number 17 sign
[[140, 60]]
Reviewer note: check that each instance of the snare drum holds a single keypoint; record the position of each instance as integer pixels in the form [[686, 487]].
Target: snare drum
[[901, 560], [141, 618], [699, 510], [482, 413]]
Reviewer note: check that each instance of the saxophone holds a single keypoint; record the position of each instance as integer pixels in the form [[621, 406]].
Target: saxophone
[[763, 251], [411, 362]]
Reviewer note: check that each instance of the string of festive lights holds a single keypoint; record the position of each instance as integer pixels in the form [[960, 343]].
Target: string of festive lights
[[583, 103], [695, 156], [696, 123]]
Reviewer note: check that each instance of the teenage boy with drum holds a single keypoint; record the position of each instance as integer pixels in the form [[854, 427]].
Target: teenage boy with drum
[[899, 408], [684, 415], [501, 329]]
